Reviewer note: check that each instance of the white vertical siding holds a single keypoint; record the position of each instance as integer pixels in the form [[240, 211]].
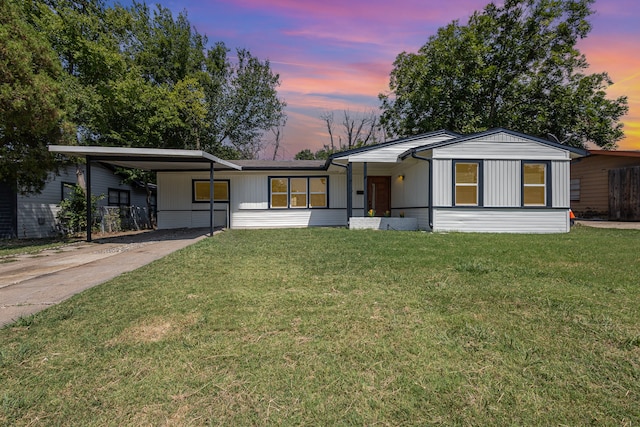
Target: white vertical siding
[[442, 192], [502, 183], [502, 220], [561, 190]]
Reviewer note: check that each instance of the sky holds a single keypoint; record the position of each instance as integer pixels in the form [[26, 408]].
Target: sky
[[336, 55]]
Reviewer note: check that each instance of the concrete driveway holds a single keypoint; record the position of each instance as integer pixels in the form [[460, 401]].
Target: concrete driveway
[[30, 283]]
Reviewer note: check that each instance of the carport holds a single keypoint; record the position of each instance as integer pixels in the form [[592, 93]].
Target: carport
[[149, 159]]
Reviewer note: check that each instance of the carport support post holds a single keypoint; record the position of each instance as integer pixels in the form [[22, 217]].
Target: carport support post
[[88, 194], [366, 189], [349, 192], [211, 199]]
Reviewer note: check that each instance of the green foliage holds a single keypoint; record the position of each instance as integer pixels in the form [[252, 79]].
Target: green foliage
[[137, 76], [72, 215], [32, 102], [514, 66]]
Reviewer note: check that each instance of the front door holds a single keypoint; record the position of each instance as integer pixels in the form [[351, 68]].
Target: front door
[[379, 194]]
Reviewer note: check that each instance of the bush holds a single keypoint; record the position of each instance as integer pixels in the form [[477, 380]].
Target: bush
[[72, 215]]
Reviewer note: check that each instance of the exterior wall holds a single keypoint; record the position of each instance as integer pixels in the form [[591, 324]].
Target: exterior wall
[[496, 220], [37, 212], [501, 183], [593, 173], [249, 202]]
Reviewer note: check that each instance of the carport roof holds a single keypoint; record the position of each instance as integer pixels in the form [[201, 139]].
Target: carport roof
[[155, 159]]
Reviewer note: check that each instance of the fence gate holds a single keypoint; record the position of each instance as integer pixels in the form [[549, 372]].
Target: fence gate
[[624, 194]]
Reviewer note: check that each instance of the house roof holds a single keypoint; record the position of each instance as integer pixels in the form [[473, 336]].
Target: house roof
[[577, 151], [617, 153], [280, 164], [389, 151], [147, 158]]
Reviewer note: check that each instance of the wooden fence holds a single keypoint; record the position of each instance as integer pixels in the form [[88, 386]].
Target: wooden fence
[[624, 194]]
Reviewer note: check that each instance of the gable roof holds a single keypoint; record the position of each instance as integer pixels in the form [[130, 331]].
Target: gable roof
[[577, 151], [389, 151]]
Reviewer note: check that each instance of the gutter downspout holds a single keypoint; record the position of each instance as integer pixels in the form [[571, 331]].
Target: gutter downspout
[[349, 189], [428, 160]]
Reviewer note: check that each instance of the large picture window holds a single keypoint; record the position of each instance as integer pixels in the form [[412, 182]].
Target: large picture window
[[298, 192], [201, 193], [534, 183], [467, 183]]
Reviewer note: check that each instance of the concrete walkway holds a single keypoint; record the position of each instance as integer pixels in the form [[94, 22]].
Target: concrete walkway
[[609, 224], [30, 283]]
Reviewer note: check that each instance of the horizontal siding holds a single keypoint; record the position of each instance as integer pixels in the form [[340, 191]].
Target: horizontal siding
[[502, 220], [190, 219], [390, 153], [500, 146], [289, 218], [37, 212], [593, 173], [502, 183]]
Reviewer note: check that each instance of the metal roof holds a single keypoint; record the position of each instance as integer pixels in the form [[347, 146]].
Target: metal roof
[[154, 159]]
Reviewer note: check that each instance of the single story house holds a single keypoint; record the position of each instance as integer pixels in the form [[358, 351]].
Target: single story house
[[493, 181], [596, 189], [34, 215]]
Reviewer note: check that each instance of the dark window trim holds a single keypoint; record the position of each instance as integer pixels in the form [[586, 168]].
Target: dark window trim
[[62, 185], [193, 190], [480, 182], [288, 178], [120, 192], [548, 183]]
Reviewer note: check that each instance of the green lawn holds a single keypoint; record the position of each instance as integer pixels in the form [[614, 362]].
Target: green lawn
[[338, 327]]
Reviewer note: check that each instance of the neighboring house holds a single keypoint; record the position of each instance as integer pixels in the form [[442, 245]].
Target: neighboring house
[[34, 215], [493, 181], [595, 184]]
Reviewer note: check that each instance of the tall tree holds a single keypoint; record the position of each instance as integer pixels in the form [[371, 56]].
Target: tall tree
[[514, 66], [32, 102]]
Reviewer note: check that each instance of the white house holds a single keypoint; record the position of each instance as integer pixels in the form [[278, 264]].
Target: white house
[[493, 181]]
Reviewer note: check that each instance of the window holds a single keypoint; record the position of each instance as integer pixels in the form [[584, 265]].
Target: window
[[201, 191], [575, 190], [318, 192], [298, 192], [534, 183], [467, 183], [66, 190], [119, 197]]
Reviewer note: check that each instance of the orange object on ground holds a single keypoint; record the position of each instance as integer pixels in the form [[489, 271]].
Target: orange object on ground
[[571, 215]]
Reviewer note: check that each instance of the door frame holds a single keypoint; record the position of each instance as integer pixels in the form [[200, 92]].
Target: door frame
[[371, 195]]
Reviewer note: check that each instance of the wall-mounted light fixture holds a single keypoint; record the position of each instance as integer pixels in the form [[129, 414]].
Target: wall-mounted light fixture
[[401, 177]]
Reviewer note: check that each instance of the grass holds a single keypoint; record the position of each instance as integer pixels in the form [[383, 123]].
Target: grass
[[337, 327], [12, 247]]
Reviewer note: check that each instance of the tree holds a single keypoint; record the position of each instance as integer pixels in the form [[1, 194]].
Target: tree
[[358, 130], [242, 101], [514, 66], [32, 102]]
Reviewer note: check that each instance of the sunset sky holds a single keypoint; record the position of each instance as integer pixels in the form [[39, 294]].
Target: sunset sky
[[337, 55]]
